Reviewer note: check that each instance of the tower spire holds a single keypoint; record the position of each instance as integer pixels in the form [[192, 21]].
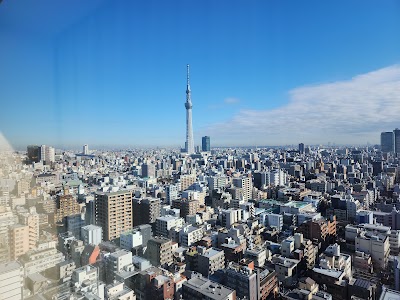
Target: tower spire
[[188, 81], [187, 68]]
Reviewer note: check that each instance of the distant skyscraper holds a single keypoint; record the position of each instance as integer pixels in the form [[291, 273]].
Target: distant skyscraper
[[396, 141], [189, 145], [205, 143], [33, 153], [301, 148], [148, 170], [387, 141], [47, 154], [85, 149]]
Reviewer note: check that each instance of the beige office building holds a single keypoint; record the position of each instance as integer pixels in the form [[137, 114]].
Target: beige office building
[[19, 240], [67, 205], [187, 180], [31, 219], [114, 213]]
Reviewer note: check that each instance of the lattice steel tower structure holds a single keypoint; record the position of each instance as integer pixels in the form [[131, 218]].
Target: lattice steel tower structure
[[189, 144]]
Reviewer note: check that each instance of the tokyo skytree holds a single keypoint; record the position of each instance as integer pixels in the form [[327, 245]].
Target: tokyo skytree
[[189, 145]]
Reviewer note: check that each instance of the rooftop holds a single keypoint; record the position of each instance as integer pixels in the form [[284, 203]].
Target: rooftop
[[91, 227], [7, 267], [329, 272], [212, 252], [389, 294], [120, 253], [296, 204], [122, 192], [208, 288]]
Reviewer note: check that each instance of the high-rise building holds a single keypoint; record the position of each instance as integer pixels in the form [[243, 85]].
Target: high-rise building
[[145, 211], [186, 181], [189, 145], [114, 213], [210, 260], [261, 179], [47, 154], [396, 140], [205, 143], [301, 148], [66, 205], [186, 206], [216, 182], [33, 153], [171, 192], [85, 149], [148, 170], [159, 251], [387, 141], [245, 183], [31, 219], [19, 240]]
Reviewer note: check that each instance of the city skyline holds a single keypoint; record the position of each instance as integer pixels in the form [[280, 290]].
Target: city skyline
[[101, 73]]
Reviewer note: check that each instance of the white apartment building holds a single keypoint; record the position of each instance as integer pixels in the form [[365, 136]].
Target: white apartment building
[[278, 177], [228, 217], [352, 206], [189, 235], [377, 245], [84, 274], [245, 183], [272, 220], [216, 182], [352, 231], [334, 259], [130, 239], [11, 281], [164, 224], [85, 281], [287, 247], [47, 154], [210, 260], [92, 234], [118, 291], [171, 192], [116, 262]]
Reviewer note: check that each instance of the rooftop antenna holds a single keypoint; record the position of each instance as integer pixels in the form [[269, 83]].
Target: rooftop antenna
[[187, 67]]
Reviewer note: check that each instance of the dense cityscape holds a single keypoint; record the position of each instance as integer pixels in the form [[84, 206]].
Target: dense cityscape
[[200, 222], [199, 150]]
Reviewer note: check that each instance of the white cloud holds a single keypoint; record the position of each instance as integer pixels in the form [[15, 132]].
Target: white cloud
[[231, 100], [351, 111]]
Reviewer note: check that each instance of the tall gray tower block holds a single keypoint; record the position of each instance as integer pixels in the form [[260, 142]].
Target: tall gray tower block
[[189, 144]]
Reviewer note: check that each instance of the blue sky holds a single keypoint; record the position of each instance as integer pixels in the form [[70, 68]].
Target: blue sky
[[112, 73]]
